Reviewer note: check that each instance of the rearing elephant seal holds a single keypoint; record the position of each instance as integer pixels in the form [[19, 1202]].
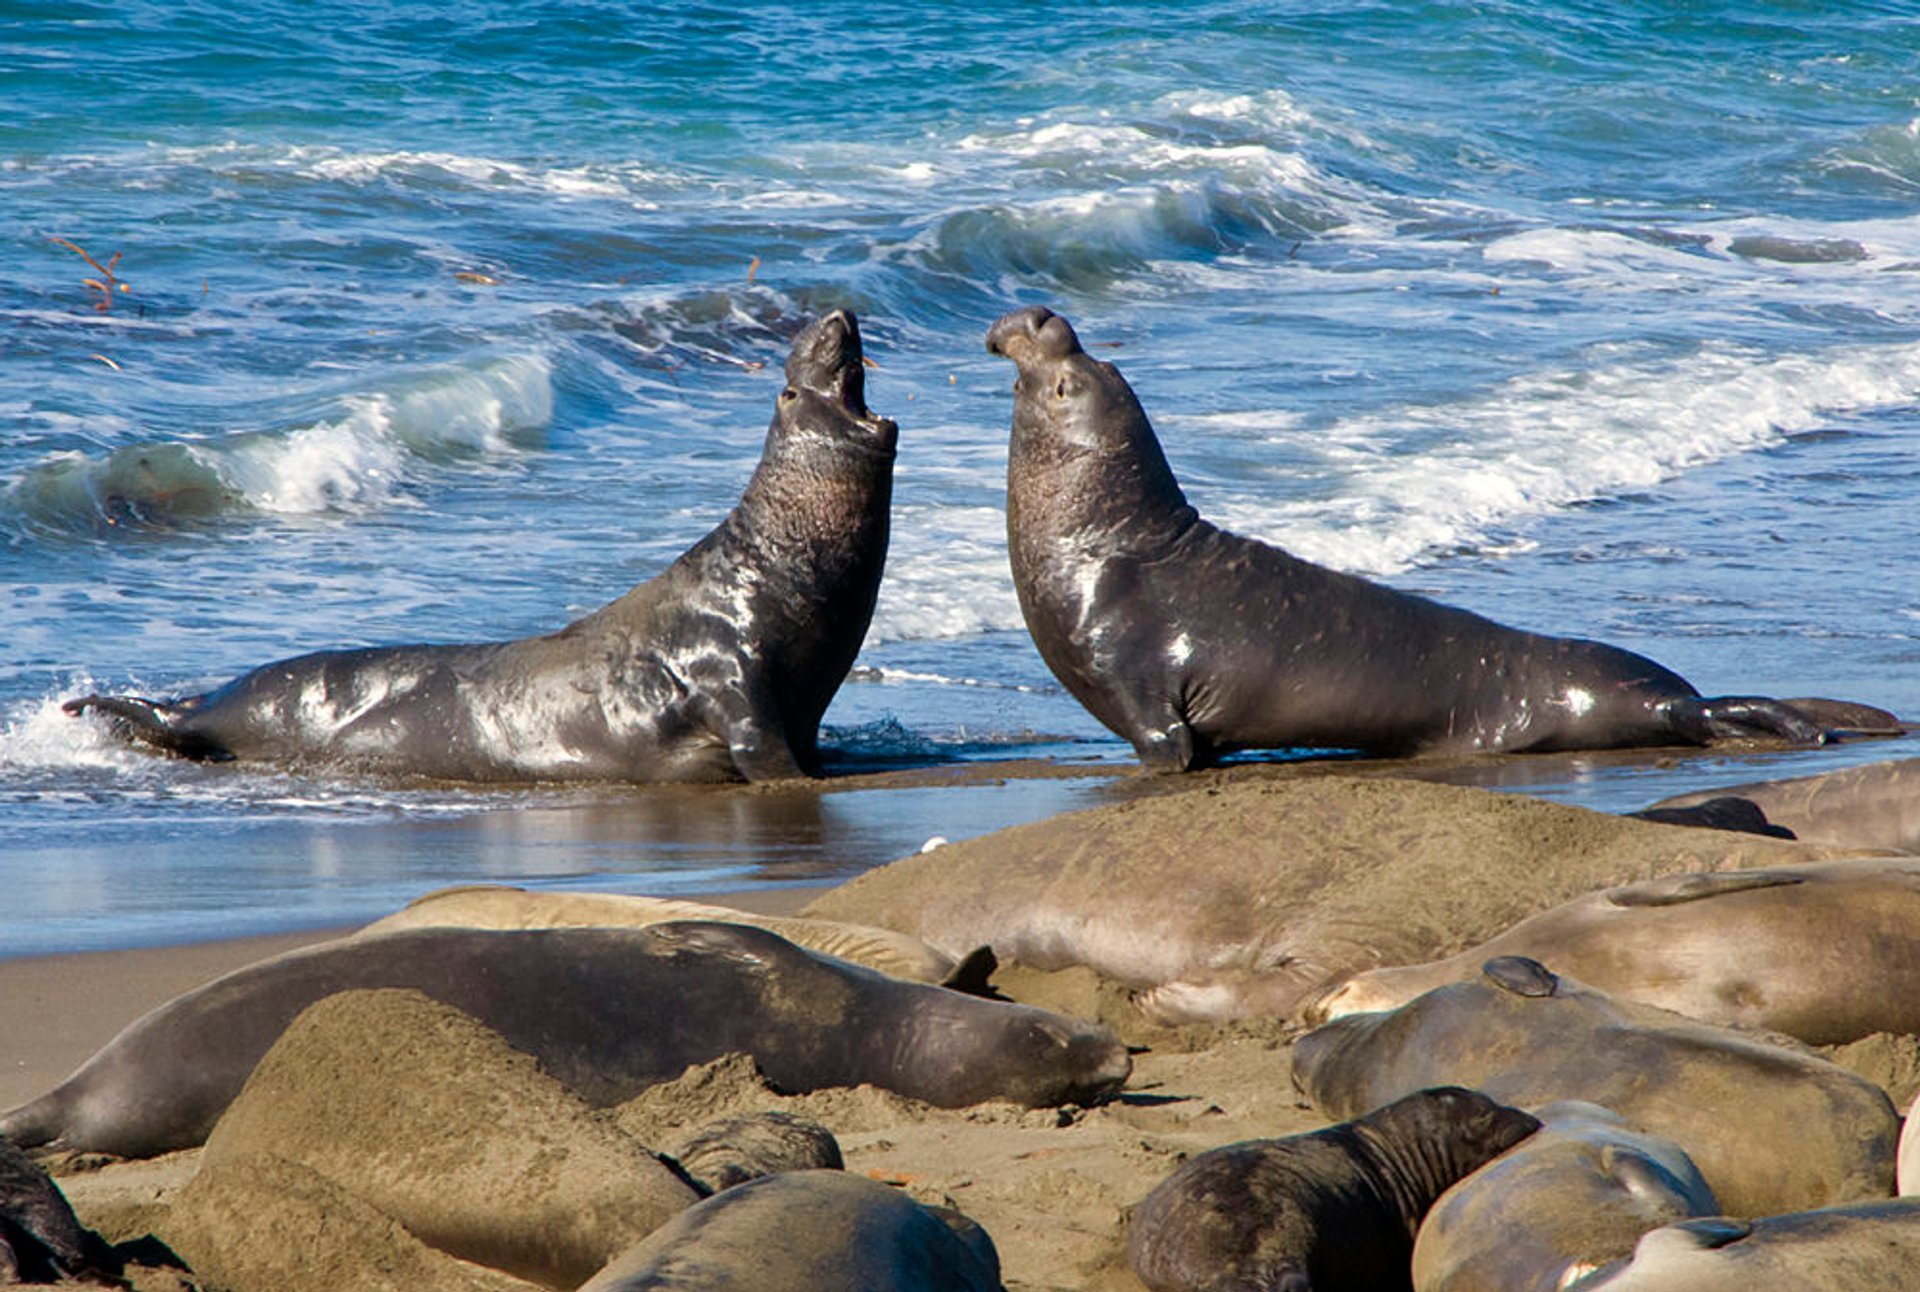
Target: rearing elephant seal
[[1192, 642], [717, 669]]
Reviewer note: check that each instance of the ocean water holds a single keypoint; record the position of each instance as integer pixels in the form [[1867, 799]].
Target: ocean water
[[441, 324]]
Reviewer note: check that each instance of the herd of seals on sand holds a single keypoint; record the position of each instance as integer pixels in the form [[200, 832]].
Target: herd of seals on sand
[[1594, 1074]]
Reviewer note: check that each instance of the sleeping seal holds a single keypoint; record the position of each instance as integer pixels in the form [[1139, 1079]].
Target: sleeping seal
[[608, 1012], [717, 669]]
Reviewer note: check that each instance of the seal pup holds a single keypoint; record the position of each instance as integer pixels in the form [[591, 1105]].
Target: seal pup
[[1192, 642], [1826, 952], [41, 1240], [1557, 1206], [1329, 1210], [502, 906], [1772, 1129], [809, 1231], [608, 1012], [1874, 805], [1866, 1247], [719, 668]]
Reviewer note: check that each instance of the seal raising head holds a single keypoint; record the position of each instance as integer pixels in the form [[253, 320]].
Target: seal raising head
[[719, 668], [1192, 642]]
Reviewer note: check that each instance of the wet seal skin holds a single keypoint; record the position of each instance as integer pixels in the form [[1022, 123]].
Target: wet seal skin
[[607, 1012], [1192, 642], [719, 668]]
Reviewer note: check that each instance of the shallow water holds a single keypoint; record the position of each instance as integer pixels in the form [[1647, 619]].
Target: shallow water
[[444, 327]]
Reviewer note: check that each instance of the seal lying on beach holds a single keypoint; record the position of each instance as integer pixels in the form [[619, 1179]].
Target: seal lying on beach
[[500, 906], [1771, 1129], [1557, 1206], [1867, 1247], [41, 1240], [1302, 882], [1826, 952], [809, 1231], [1329, 1210], [607, 1011], [1874, 805], [717, 669], [1192, 642]]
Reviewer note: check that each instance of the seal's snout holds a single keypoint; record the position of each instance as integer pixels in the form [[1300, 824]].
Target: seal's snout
[[827, 359], [1032, 333]]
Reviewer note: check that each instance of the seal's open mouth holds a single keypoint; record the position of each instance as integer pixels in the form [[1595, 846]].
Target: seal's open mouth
[[827, 360]]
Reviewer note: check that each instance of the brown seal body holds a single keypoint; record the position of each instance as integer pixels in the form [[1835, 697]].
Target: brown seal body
[[1557, 1206], [1827, 952], [1772, 1129], [608, 1012], [1867, 1247], [1335, 1208], [1192, 642], [1874, 805], [717, 669], [809, 1231]]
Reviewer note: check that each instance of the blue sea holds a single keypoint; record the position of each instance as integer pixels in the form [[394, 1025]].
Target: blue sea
[[419, 322]]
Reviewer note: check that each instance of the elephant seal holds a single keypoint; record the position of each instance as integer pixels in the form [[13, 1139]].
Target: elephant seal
[[609, 1012], [1329, 1210], [1827, 952], [1772, 1129], [501, 906], [717, 669], [1191, 642], [809, 1231], [1866, 1247], [1557, 1206], [41, 1240], [745, 1146], [1874, 805]]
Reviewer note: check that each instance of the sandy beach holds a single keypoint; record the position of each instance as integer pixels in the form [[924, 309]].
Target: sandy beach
[[1052, 1187]]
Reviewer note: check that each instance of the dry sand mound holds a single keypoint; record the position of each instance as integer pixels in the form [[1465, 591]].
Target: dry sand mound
[[433, 1120], [1249, 898]]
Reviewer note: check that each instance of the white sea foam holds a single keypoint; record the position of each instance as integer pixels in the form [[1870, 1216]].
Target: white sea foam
[[1543, 442]]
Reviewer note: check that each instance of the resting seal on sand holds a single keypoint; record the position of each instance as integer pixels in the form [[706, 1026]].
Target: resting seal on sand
[[809, 1231], [1771, 1129], [1192, 642], [500, 906], [1303, 881], [1826, 952], [607, 1011], [1335, 1208], [1557, 1206], [1868, 1247], [717, 669], [41, 1240], [1874, 805]]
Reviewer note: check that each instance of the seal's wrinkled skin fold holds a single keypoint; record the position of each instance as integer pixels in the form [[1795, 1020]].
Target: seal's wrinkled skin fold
[[1192, 642], [718, 669]]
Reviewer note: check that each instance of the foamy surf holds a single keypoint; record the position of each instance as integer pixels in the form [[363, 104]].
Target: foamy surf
[[360, 460]]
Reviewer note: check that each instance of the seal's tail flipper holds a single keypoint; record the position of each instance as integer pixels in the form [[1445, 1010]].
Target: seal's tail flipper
[[1704, 720], [149, 722]]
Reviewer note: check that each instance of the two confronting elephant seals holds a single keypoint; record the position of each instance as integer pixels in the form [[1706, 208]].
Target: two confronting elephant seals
[[1192, 642], [719, 668], [607, 1012], [1335, 1208]]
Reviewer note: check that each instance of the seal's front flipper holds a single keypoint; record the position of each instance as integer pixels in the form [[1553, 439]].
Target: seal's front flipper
[[149, 722], [1704, 720]]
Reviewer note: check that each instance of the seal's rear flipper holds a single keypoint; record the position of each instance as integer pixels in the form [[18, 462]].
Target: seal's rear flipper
[[1849, 717], [973, 972], [148, 722], [1725, 812], [1704, 719]]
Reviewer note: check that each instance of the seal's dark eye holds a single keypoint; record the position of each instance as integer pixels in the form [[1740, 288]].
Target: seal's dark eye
[[788, 395], [1060, 389]]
